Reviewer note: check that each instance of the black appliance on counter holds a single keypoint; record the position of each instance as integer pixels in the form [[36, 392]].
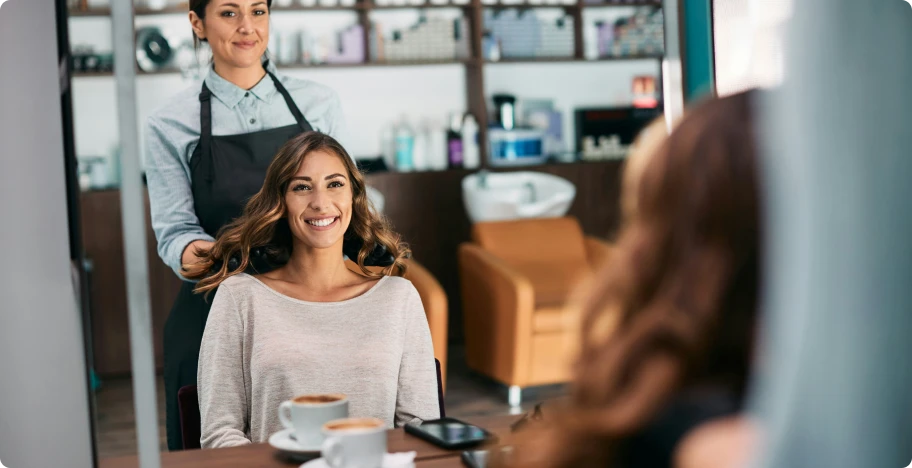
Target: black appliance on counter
[[625, 122]]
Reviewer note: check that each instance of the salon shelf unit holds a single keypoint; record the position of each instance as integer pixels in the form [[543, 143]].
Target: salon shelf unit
[[475, 64]]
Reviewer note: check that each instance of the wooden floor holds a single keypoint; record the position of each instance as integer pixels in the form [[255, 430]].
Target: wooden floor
[[467, 395]]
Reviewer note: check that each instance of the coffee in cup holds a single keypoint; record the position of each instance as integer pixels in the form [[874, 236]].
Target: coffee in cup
[[354, 443], [305, 416], [318, 399]]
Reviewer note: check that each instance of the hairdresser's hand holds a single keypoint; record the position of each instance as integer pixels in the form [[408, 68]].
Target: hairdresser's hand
[[189, 256]]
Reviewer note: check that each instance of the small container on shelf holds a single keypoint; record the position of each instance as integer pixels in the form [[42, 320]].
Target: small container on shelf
[[431, 38], [519, 33], [640, 34]]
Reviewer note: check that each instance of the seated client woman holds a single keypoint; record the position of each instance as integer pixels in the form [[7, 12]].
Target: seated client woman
[[311, 325]]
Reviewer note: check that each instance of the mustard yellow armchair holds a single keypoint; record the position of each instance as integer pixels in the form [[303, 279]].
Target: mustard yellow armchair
[[435, 304], [517, 280]]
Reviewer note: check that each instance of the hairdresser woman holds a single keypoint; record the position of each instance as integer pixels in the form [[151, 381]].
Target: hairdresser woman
[[207, 152]]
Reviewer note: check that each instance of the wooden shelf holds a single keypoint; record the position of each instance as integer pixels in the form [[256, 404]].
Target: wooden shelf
[[169, 71], [143, 11], [406, 63], [426, 6], [573, 59], [656, 3], [90, 12], [573, 6], [91, 74]]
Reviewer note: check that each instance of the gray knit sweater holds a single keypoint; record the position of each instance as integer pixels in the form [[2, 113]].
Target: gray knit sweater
[[261, 347]]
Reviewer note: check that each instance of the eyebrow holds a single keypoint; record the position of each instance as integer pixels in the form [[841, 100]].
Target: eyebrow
[[308, 179], [235, 5]]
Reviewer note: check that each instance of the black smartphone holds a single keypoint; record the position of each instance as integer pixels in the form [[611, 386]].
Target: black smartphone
[[450, 433]]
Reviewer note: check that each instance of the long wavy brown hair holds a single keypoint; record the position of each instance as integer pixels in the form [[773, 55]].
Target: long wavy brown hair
[[264, 226], [677, 304]]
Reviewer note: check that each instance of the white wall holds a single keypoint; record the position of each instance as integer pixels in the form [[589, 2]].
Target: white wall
[[748, 39], [371, 98], [44, 413]]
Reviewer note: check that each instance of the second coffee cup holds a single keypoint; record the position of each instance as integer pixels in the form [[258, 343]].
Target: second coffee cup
[[354, 443], [305, 416]]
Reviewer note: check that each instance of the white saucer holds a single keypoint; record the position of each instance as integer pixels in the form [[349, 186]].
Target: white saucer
[[390, 460], [282, 440]]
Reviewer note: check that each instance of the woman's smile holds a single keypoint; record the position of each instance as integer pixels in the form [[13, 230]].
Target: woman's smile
[[322, 224]]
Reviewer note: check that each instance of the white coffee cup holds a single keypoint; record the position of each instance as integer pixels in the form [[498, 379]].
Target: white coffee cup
[[305, 416], [354, 443]]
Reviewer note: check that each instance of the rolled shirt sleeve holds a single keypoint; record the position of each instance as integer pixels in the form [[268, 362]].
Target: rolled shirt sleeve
[[170, 197]]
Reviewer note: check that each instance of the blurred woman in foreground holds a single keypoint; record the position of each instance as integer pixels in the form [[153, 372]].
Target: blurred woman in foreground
[[668, 330]]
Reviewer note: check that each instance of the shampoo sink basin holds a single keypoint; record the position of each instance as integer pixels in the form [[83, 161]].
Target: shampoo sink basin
[[516, 195]]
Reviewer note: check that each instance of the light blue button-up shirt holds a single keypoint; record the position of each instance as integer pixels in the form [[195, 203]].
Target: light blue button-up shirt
[[172, 133]]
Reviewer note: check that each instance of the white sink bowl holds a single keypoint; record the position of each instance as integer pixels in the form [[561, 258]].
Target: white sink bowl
[[516, 195]]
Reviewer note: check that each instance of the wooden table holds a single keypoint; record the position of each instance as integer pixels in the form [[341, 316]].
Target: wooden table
[[264, 456]]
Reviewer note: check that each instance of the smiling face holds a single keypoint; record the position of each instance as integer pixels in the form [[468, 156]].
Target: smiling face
[[318, 201], [237, 31]]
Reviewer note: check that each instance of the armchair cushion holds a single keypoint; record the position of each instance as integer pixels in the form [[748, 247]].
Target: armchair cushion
[[553, 283], [541, 240]]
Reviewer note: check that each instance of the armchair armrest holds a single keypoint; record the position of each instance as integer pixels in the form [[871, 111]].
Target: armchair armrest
[[598, 251], [435, 304], [498, 303]]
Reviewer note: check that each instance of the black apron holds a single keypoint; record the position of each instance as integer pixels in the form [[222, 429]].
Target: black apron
[[225, 171]]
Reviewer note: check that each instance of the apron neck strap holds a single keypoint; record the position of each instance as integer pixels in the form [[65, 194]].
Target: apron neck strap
[[205, 98], [299, 117]]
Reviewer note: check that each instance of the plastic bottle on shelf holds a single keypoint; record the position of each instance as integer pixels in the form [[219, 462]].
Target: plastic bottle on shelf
[[590, 41], [405, 140], [388, 145], [420, 149], [454, 141], [471, 156], [437, 146]]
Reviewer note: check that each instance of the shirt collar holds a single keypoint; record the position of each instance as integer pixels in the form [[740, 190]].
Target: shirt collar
[[230, 94]]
